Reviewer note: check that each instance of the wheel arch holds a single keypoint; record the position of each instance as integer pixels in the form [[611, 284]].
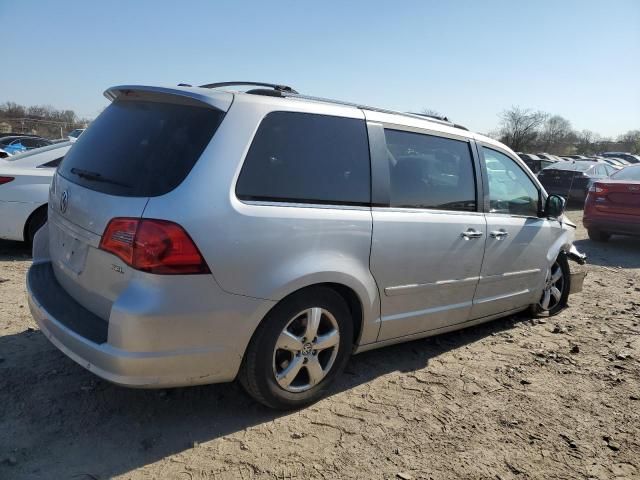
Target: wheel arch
[[32, 215], [363, 303]]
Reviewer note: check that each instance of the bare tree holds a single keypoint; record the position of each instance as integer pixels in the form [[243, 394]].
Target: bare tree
[[519, 128], [555, 134], [630, 141], [39, 119], [588, 142]]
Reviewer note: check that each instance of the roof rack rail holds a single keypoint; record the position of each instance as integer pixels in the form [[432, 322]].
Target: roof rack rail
[[276, 87], [375, 109], [428, 115], [286, 91]]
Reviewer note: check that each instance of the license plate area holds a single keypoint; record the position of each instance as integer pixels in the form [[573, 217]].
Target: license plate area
[[68, 249]]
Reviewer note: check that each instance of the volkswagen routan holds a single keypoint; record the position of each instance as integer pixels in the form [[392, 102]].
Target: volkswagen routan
[[206, 234]]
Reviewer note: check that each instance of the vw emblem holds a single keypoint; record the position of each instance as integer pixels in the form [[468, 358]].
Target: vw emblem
[[64, 201]]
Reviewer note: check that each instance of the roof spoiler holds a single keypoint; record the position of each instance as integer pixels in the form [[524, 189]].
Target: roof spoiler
[[221, 101]]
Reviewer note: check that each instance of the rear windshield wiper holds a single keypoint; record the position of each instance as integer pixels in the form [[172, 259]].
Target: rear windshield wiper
[[96, 177]]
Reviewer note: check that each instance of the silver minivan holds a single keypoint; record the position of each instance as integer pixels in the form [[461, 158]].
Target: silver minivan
[[200, 234]]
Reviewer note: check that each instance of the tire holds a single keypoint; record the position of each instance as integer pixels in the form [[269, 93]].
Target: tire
[[550, 304], [268, 372], [598, 235], [35, 222]]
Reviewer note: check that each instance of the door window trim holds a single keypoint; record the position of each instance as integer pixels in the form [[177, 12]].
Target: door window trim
[[485, 178], [381, 176]]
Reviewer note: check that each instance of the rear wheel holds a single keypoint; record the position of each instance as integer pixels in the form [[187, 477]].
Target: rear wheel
[[35, 222], [556, 288], [598, 235], [298, 350]]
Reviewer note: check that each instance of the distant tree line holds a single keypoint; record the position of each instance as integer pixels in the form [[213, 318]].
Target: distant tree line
[[530, 131], [42, 120]]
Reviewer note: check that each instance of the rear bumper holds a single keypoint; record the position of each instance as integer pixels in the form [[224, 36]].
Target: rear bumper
[[83, 337], [627, 225]]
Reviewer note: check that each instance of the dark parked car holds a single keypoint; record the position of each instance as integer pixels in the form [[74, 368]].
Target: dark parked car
[[613, 205], [572, 179], [624, 155], [548, 156], [534, 162]]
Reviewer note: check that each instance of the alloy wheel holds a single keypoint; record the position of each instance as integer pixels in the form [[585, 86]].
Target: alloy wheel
[[306, 349], [553, 288]]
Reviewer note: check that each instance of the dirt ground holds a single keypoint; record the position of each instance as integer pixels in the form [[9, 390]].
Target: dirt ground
[[516, 398]]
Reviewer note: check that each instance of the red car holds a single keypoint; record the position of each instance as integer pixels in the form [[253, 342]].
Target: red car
[[613, 205]]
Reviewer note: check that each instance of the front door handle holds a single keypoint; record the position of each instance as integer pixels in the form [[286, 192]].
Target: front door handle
[[471, 233], [499, 234]]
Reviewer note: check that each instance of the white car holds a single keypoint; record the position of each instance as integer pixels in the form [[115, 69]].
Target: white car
[[24, 190], [74, 134]]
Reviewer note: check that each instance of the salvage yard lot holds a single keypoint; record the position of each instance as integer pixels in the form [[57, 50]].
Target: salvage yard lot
[[514, 398]]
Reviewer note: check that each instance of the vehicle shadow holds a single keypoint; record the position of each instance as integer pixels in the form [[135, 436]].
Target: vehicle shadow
[[10, 250], [619, 251], [98, 430]]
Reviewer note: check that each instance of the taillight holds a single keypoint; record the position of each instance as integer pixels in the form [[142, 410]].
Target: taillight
[[598, 188], [4, 180], [154, 246]]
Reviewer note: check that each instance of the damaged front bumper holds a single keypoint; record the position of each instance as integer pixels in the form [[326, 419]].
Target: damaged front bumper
[[577, 277]]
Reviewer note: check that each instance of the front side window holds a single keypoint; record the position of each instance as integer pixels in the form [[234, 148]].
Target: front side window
[[511, 191], [307, 158], [427, 171]]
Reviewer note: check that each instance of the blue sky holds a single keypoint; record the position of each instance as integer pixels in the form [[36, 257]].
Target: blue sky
[[466, 59]]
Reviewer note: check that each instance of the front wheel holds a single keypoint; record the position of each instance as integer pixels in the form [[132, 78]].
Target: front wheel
[[299, 349], [556, 288]]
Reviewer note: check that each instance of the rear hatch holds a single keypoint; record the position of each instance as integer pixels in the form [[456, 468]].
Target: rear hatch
[[142, 145], [618, 197]]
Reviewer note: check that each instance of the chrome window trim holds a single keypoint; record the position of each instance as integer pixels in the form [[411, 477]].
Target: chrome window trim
[[326, 206], [425, 131], [416, 210]]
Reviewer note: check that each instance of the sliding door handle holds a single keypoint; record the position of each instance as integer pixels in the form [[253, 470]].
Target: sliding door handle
[[499, 234], [471, 233]]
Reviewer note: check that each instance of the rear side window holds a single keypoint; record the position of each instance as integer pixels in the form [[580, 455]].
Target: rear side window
[[307, 158], [427, 171], [140, 148]]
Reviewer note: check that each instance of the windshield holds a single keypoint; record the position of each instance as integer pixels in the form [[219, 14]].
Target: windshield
[[627, 173], [140, 148]]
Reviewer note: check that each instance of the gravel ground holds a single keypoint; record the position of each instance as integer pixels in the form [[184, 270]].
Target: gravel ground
[[515, 398]]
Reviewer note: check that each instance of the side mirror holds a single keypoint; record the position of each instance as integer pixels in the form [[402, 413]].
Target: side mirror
[[554, 206]]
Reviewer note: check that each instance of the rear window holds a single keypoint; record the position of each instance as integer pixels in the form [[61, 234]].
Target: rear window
[[627, 173], [307, 158], [140, 148], [577, 167]]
